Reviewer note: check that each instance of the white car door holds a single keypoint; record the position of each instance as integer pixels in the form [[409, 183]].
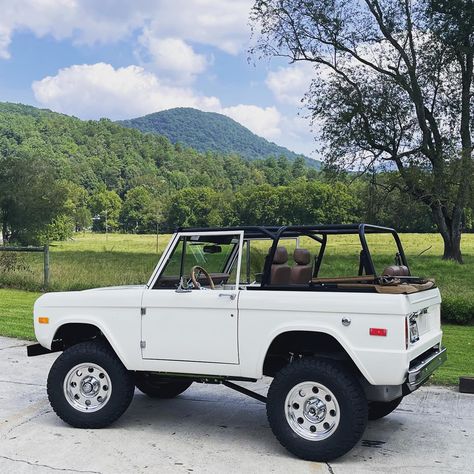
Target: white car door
[[194, 325]]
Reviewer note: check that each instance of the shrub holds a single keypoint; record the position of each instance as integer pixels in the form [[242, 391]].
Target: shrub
[[457, 310]]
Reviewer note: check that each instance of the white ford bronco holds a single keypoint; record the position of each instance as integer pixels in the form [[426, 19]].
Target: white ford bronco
[[342, 340]]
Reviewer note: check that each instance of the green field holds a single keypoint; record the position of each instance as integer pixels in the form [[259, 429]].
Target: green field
[[90, 261], [16, 313]]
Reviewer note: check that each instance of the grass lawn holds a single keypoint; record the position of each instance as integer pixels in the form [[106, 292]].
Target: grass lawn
[[16, 309], [90, 260], [460, 343], [16, 313]]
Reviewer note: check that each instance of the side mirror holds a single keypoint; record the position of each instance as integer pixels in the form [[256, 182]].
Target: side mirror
[[212, 249]]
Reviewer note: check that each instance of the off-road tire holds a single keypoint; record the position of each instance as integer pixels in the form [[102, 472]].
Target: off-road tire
[[378, 410], [122, 386], [350, 398], [156, 386]]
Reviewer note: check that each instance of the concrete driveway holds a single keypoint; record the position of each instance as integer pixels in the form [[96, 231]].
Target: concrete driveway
[[213, 429]]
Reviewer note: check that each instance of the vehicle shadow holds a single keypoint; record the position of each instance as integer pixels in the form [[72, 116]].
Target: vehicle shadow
[[204, 411]]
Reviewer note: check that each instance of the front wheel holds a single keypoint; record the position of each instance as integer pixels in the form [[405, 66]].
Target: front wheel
[[317, 409], [88, 386]]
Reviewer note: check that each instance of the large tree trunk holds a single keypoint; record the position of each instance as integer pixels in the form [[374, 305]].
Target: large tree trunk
[[451, 231], [452, 246]]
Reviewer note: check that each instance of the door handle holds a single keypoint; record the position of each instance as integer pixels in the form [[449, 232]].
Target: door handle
[[232, 296]]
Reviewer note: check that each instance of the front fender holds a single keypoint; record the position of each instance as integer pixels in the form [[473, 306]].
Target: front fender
[[46, 336]]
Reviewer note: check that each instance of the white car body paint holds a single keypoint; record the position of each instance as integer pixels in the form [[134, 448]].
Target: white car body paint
[[228, 332]]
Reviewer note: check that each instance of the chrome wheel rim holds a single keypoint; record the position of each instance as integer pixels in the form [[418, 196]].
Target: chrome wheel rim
[[312, 411], [87, 387]]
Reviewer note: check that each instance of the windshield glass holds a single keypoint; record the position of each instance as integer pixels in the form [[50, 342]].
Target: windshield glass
[[215, 254]]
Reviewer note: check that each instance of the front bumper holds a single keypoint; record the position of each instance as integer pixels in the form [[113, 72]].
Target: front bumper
[[424, 367]]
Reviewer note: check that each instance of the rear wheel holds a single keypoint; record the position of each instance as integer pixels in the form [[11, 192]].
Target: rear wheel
[[88, 386], [157, 386], [317, 409], [378, 410]]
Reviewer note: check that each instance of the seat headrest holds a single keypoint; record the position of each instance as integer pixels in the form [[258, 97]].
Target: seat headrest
[[396, 270], [301, 256], [281, 256]]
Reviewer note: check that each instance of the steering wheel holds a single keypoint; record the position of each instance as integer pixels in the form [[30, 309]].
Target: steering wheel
[[196, 284]]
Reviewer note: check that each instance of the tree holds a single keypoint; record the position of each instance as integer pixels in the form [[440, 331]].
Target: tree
[[393, 85], [31, 198], [77, 206], [197, 207], [139, 212], [301, 202], [105, 207]]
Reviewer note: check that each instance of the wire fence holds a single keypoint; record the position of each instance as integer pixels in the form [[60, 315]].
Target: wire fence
[[44, 249]]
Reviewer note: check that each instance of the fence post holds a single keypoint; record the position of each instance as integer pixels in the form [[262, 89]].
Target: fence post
[[46, 267]]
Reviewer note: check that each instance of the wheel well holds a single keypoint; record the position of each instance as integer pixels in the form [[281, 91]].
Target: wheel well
[[72, 333], [293, 344]]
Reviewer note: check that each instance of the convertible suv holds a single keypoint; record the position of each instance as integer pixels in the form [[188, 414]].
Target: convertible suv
[[330, 313]]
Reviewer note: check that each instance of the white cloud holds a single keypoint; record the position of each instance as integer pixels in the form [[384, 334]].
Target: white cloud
[[172, 56], [84, 21], [264, 121], [222, 24], [289, 84], [4, 42], [99, 90]]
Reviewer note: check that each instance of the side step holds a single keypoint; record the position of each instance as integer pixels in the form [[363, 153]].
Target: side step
[[245, 391]]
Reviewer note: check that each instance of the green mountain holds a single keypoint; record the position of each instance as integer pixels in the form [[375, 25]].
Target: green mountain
[[59, 169], [209, 131]]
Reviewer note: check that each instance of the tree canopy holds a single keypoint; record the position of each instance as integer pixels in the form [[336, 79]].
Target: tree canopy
[[59, 174], [392, 88]]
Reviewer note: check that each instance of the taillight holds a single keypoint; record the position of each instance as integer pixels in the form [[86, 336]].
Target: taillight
[[377, 331]]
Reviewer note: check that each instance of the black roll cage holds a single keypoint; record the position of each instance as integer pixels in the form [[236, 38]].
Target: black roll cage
[[320, 234]]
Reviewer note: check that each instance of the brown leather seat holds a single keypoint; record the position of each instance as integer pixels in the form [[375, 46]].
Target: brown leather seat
[[396, 270], [280, 272], [302, 271]]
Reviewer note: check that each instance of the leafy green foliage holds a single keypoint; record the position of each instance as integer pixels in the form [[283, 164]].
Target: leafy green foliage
[[392, 83], [209, 131], [140, 211], [458, 309], [30, 196], [105, 206], [60, 174]]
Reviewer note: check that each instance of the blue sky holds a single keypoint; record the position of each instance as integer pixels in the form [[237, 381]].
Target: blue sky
[[121, 59]]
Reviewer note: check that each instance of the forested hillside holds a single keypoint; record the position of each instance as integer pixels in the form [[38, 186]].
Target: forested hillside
[[209, 131], [59, 174]]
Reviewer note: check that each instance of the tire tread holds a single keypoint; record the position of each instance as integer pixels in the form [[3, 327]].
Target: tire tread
[[98, 351], [353, 392]]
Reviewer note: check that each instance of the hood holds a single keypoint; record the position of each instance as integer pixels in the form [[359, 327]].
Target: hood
[[116, 288]]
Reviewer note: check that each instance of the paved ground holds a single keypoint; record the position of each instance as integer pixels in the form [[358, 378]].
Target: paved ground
[[211, 429]]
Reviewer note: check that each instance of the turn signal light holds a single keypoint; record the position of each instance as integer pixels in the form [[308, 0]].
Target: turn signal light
[[377, 332], [43, 320]]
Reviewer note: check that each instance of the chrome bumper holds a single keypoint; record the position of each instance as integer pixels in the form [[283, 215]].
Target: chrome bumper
[[420, 373]]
